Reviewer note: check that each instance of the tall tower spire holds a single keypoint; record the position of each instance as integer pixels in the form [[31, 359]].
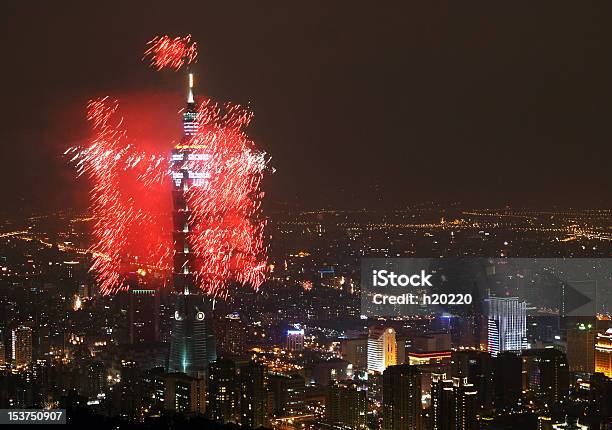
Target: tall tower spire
[[190, 98], [192, 344], [190, 124]]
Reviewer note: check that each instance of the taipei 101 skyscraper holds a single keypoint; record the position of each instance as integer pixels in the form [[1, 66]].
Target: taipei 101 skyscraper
[[192, 342]]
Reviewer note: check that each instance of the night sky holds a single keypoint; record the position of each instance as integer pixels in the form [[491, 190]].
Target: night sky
[[488, 103]]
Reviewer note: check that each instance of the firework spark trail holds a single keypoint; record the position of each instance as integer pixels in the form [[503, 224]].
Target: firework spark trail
[[166, 52], [226, 224], [118, 172], [227, 227]]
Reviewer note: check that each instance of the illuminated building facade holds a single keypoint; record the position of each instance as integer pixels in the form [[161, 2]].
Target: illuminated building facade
[[453, 404], [581, 348], [478, 367], [506, 325], [295, 340], [440, 402], [192, 344], [223, 395], [382, 349], [21, 343], [177, 392], [603, 353], [231, 335], [417, 358]]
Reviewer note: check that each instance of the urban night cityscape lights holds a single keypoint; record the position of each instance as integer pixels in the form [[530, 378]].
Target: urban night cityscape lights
[[432, 249]]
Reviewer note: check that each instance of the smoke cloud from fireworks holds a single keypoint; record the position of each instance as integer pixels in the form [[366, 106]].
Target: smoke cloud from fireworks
[[131, 192]]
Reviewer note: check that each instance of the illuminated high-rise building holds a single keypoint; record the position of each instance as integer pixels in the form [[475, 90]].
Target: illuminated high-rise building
[[603, 353], [507, 324], [295, 340], [441, 402], [478, 368], [21, 344], [223, 392], [382, 349], [231, 335], [453, 403], [464, 405], [581, 348], [192, 343]]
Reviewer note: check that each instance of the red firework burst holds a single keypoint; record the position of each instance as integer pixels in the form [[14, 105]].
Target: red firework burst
[[131, 219], [173, 53], [227, 230], [131, 192]]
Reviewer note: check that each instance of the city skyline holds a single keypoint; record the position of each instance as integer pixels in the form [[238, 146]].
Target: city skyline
[[299, 349], [322, 216]]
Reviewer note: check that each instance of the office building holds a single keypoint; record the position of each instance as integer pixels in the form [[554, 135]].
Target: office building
[[21, 346], [506, 324], [143, 315], [478, 368], [453, 404], [545, 373], [355, 351], [603, 353], [295, 340], [581, 348], [402, 398], [174, 392], [231, 335], [382, 349], [441, 402], [192, 343], [347, 405], [288, 393], [96, 379], [223, 391], [253, 395]]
